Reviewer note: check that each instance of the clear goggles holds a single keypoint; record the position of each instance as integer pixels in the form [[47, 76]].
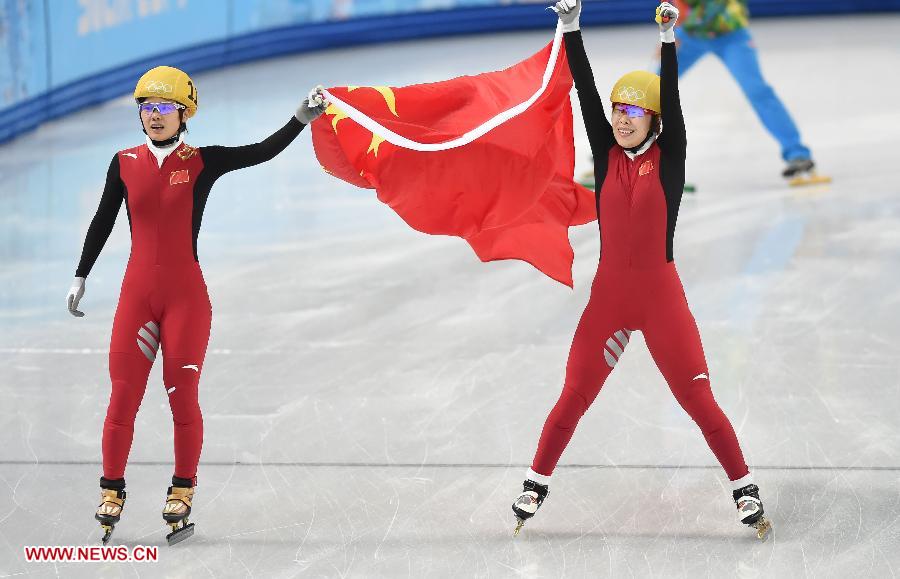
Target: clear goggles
[[632, 111], [161, 108]]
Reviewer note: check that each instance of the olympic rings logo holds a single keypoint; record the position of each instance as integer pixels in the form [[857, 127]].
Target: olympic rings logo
[[158, 87], [628, 93]]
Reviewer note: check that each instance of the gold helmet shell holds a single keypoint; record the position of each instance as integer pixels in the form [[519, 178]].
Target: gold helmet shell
[[170, 83], [639, 88]]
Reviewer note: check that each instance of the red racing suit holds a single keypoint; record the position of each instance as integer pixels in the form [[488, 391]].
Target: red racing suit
[[636, 286], [163, 302]]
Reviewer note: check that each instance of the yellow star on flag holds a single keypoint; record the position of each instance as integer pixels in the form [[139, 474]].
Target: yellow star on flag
[[389, 98]]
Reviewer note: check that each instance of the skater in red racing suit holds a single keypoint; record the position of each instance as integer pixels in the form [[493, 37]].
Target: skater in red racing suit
[[163, 303], [639, 163]]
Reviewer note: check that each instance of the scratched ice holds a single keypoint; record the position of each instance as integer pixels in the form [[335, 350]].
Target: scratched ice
[[373, 396]]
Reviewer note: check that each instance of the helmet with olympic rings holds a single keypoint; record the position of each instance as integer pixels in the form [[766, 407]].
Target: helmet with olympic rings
[[171, 83], [639, 88]]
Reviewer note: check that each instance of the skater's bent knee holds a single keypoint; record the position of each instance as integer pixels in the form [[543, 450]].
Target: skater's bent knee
[[187, 416], [568, 410], [124, 402], [697, 400]]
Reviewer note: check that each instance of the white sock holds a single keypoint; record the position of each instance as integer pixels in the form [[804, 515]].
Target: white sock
[[742, 482], [538, 478]]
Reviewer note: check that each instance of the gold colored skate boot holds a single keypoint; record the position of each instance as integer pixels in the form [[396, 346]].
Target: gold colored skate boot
[[176, 513], [109, 511]]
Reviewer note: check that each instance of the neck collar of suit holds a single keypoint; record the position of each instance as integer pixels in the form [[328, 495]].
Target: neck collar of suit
[[642, 148], [162, 149]]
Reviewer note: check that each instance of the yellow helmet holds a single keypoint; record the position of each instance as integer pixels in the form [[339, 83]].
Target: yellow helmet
[[170, 83], [639, 88]]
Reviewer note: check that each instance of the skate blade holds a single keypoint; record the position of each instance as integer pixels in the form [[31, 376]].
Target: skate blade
[[519, 524], [107, 534], [180, 535], [809, 180], [763, 526]]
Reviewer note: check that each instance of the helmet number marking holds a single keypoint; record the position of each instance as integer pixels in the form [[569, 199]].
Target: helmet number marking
[[192, 95]]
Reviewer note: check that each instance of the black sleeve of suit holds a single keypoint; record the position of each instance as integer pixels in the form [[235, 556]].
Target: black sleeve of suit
[[219, 160], [102, 224], [599, 130], [673, 140]]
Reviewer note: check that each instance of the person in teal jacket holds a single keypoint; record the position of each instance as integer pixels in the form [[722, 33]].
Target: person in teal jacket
[[721, 27]]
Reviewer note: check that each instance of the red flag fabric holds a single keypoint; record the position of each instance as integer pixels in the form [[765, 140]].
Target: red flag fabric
[[509, 193]]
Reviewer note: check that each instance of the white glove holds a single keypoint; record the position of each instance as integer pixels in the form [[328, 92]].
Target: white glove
[[312, 106], [568, 12], [666, 16], [75, 293], [317, 95]]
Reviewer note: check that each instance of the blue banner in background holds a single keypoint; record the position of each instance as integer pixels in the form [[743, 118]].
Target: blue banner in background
[[256, 15], [23, 51], [88, 36], [60, 55]]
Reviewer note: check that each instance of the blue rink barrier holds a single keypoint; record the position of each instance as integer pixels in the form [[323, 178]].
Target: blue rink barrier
[[57, 60]]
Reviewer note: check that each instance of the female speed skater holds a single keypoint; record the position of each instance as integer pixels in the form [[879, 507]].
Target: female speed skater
[[639, 163], [164, 303]]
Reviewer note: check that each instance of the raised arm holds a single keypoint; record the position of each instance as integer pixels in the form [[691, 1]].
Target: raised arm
[[598, 128], [220, 160], [673, 140]]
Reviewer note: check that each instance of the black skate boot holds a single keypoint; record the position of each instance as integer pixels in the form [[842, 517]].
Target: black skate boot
[[750, 510], [527, 503], [178, 509], [112, 501], [803, 172]]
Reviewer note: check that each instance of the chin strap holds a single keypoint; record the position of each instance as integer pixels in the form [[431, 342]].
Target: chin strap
[[633, 152], [171, 140], [636, 148]]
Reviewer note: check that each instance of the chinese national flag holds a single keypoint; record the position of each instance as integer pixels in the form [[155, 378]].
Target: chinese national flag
[[509, 193]]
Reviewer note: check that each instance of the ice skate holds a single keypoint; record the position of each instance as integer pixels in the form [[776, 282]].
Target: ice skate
[[176, 513], [527, 503], [109, 511], [801, 172], [750, 510]]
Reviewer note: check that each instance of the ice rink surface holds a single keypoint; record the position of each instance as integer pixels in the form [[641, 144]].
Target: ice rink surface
[[372, 396]]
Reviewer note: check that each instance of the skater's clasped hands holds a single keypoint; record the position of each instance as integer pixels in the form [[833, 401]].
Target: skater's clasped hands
[[312, 106]]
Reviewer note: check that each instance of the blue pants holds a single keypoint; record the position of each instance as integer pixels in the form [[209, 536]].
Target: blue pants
[[737, 52]]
